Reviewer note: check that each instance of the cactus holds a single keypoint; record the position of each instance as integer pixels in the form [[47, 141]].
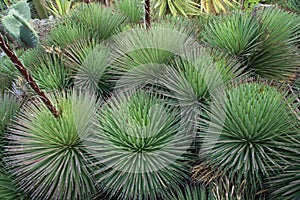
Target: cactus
[[17, 23]]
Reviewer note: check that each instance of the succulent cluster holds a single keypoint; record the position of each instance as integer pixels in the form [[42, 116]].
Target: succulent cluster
[[182, 111]]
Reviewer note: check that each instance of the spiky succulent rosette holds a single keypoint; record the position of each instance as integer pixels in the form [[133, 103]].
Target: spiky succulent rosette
[[139, 55], [46, 154], [200, 72], [258, 136], [141, 145], [266, 43]]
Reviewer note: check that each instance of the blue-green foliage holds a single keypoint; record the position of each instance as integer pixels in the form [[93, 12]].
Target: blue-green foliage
[[17, 23]]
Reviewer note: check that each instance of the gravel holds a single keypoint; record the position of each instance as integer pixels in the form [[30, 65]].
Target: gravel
[[43, 26]]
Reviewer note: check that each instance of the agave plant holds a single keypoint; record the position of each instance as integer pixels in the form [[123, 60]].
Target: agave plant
[[58, 8], [258, 135], [236, 33], [264, 43], [47, 69], [76, 52], [198, 74], [278, 52], [92, 74], [88, 62], [84, 23], [140, 146], [63, 35], [46, 154], [139, 55], [97, 21]]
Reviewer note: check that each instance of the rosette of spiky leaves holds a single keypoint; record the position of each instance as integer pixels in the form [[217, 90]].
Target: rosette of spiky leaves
[[286, 185], [92, 74], [64, 34], [84, 23], [76, 52], [141, 146], [46, 154], [190, 192], [262, 41], [97, 21], [257, 137], [197, 73], [47, 69], [139, 55], [132, 9], [277, 55], [236, 33]]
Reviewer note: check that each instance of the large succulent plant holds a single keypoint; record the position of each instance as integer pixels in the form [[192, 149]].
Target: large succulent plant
[[84, 23], [46, 155], [258, 136], [139, 55], [263, 41], [97, 21], [140, 146]]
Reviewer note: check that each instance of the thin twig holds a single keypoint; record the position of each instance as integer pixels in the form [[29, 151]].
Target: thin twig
[[147, 14]]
